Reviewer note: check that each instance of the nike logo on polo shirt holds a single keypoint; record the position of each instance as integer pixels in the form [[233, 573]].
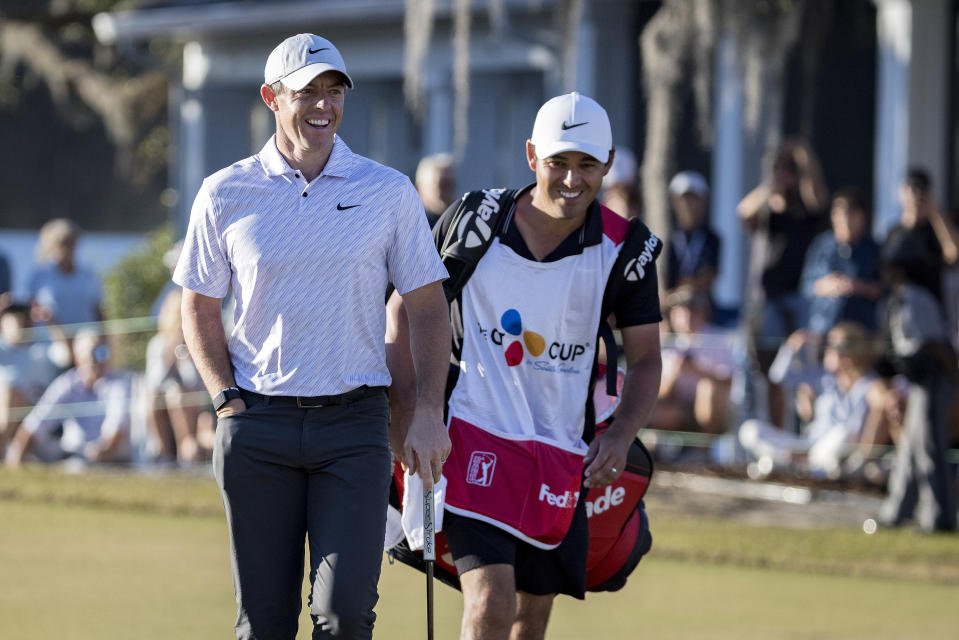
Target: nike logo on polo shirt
[[567, 126], [340, 207], [317, 50]]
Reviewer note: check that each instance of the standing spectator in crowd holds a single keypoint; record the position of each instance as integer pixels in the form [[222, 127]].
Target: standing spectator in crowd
[[926, 225], [698, 365], [621, 186], [27, 366], [306, 234], [84, 413], [833, 408], [436, 184], [840, 278], [179, 418], [62, 291], [784, 215], [922, 483], [694, 246]]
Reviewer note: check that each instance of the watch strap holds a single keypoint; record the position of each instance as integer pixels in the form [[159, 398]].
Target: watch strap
[[225, 395]]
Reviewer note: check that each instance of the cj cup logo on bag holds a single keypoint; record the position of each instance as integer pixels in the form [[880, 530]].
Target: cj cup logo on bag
[[474, 225], [636, 268], [479, 471]]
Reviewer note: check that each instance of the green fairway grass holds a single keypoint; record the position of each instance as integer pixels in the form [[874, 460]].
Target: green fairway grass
[[103, 556]]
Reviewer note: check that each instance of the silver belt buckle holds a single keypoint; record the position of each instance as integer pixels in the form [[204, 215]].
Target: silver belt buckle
[[299, 403]]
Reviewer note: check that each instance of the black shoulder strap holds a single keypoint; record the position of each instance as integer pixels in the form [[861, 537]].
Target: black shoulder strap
[[475, 223]]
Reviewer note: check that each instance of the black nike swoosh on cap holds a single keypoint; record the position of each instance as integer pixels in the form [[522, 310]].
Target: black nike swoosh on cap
[[317, 50], [340, 207], [566, 125]]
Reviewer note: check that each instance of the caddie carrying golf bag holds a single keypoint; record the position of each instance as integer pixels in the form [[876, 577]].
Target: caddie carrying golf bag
[[619, 532]]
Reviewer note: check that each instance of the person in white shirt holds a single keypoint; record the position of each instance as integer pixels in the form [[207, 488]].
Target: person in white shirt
[[306, 235], [84, 413]]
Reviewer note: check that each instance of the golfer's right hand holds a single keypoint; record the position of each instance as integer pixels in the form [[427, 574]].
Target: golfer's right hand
[[234, 406], [427, 446]]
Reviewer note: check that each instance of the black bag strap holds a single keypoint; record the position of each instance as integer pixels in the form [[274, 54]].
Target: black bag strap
[[475, 224]]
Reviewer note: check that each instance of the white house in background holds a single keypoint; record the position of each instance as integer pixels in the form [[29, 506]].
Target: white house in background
[[905, 85]]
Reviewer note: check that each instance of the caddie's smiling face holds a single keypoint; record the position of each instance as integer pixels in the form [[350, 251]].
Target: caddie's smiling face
[[567, 182], [306, 119]]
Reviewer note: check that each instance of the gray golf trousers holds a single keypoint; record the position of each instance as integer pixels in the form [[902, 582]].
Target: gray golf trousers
[[287, 474]]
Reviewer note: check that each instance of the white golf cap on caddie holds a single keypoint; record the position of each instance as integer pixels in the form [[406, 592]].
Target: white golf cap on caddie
[[572, 122], [300, 58]]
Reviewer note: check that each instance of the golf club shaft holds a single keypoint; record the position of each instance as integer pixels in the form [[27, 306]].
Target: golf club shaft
[[429, 556]]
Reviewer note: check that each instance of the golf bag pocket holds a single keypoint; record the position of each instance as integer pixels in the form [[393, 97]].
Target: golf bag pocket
[[619, 534], [527, 487]]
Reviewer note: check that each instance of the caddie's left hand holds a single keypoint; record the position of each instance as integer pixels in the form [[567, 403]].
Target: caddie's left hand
[[605, 459], [427, 445]]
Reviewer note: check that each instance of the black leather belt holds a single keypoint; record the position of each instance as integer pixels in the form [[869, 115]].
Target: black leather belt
[[315, 402]]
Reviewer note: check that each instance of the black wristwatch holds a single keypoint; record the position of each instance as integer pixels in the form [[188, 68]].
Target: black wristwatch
[[225, 395]]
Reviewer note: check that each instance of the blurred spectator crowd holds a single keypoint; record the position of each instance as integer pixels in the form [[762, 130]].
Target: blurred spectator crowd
[[841, 363]]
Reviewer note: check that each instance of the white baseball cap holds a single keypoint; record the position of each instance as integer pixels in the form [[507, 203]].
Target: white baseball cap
[[572, 122], [300, 58], [688, 182]]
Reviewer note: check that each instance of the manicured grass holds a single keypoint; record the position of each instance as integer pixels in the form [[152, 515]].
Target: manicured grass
[[123, 556]]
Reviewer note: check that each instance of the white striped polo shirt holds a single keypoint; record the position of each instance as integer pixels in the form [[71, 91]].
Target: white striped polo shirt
[[308, 264]]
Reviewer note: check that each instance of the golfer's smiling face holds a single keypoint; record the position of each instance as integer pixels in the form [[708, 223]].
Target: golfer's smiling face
[[307, 119]]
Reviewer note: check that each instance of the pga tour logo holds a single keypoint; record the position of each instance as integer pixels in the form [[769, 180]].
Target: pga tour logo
[[636, 268], [480, 468]]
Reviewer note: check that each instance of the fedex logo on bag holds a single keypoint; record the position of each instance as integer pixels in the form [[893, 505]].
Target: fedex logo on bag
[[479, 471], [611, 498], [565, 500]]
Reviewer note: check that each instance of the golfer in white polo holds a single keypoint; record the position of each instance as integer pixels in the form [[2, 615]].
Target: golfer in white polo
[[306, 235]]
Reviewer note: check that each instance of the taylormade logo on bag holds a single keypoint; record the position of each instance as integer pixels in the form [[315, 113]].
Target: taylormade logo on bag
[[612, 498], [563, 501], [473, 227], [635, 268]]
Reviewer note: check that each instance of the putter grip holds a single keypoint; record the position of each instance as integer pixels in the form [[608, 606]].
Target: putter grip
[[429, 532]]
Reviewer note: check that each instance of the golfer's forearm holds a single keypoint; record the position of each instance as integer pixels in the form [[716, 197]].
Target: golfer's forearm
[[430, 337], [206, 340]]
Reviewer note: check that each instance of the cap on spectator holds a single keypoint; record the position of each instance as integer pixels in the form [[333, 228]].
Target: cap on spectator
[[688, 182], [300, 58], [572, 122], [623, 169]]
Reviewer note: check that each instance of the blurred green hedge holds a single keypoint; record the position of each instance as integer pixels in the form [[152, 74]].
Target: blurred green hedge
[[130, 289]]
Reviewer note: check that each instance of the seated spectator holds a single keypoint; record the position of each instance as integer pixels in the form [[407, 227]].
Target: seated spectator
[[62, 291], [840, 278], [620, 191], [436, 183], [27, 366], [698, 365], [833, 410], [694, 247], [179, 417], [84, 413], [922, 483]]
